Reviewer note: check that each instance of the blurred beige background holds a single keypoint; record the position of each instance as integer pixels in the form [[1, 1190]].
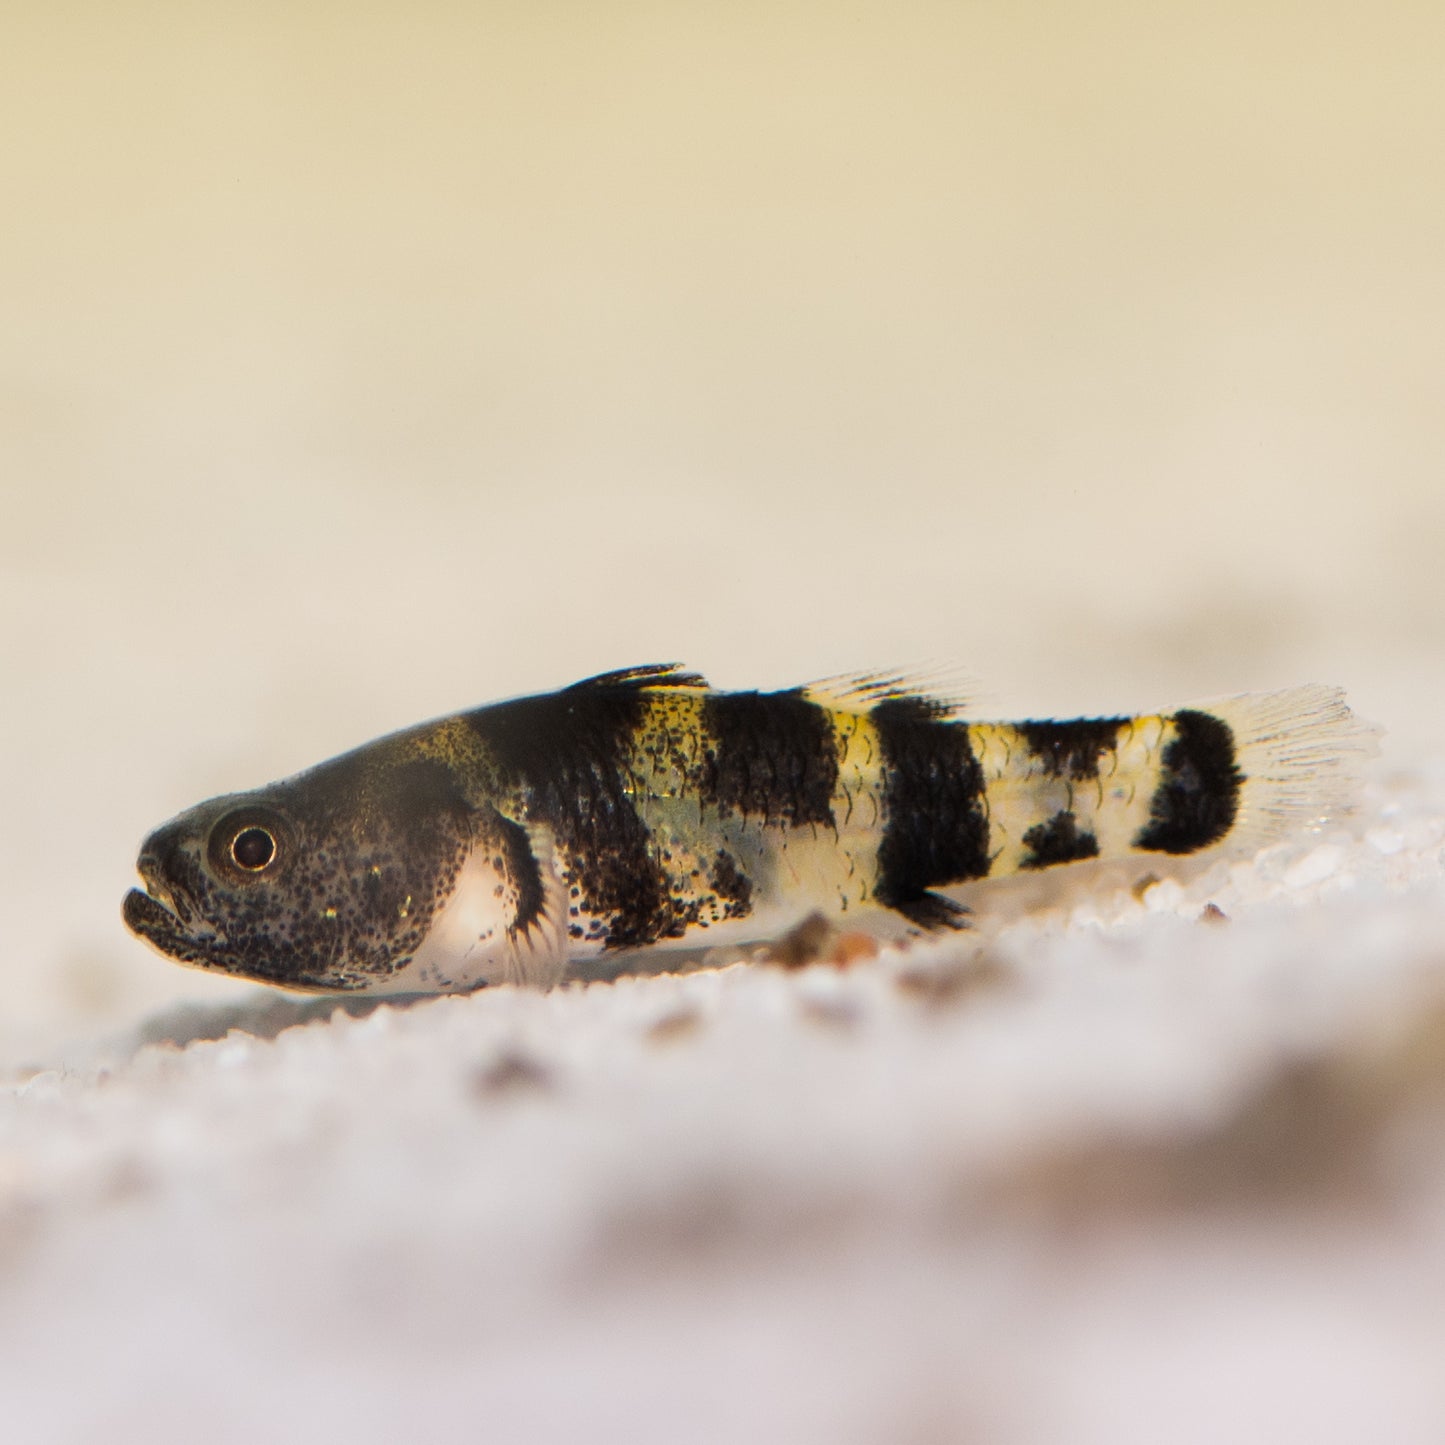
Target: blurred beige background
[[360, 363]]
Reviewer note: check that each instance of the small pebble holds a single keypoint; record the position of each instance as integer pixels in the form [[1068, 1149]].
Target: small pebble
[[670, 1027], [512, 1072]]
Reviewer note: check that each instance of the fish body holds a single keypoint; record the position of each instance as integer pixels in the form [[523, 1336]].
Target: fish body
[[643, 809]]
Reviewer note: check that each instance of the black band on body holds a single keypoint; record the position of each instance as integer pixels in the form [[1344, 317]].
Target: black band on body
[[770, 755], [566, 752], [1197, 799], [1072, 749], [936, 829]]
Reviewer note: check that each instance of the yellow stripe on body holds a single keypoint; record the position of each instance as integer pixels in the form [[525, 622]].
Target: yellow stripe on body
[[662, 771], [792, 868], [1022, 791], [857, 810]]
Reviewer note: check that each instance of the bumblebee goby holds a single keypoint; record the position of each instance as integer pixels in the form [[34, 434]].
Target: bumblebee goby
[[642, 809]]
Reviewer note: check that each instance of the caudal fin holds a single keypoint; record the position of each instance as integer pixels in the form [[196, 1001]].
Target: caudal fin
[[1300, 753]]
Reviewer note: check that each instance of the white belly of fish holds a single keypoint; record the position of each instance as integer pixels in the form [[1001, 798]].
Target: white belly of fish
[[471, 942]]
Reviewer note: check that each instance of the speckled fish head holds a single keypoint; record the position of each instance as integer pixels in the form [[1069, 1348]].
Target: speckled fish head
[[328, 880]]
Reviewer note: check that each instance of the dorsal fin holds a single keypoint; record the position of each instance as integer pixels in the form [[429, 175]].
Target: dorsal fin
[[940, 690], [649, 675]]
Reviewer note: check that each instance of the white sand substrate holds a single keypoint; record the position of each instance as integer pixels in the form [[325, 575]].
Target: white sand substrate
[[364, 363], [1124, 1164]]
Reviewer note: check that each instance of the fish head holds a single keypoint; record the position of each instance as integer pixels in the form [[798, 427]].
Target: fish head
[[326, 881]]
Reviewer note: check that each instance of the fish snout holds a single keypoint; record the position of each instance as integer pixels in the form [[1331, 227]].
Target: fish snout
[[161, 864]]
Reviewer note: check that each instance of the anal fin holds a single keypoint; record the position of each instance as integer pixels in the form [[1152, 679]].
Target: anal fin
[[933, 913]]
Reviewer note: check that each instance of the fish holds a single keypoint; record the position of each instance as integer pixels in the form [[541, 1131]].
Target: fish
[[642, 810]]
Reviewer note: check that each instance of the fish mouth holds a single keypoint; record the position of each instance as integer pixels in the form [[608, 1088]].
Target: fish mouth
[[148, 918], [146, 915], [164, 893], [163, 914]]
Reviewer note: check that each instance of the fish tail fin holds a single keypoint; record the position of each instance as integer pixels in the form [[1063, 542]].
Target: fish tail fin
[[1240, 772], [1301, 754]]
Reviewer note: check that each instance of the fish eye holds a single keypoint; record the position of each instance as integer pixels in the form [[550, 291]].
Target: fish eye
[[250, 842], [253, 848]]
